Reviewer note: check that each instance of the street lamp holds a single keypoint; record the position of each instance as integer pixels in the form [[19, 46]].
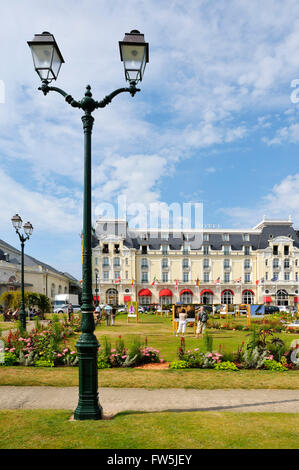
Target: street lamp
[[97, 290], [27, 227], [47, 60]]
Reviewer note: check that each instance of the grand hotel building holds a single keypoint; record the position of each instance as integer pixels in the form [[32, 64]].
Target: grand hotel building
[[258, 265]]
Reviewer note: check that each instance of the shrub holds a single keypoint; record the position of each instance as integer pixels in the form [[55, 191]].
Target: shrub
[[254, 359], [103, 363], [179, 365], [44, 363], [226, 365], [208, 342], [10, 359], [274, 365]]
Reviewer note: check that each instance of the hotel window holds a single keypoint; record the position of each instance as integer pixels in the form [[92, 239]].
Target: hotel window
[[246, 237], [266, 262], [185, 263], [226, 249], [206, 263], [226, 263], [96, 261], [164, 236], [144, 249], [116, 274], [266, 277], [206, 276], [246, 263], [144, 277], [226, 277], [185, 250], [275, 263], [286, 276], [106, 248], [165, 277], [106, 275], [116, 262], [225, 237], [247, 277], [247, 250], [286, 263], [206, 250], [164, 263], [286, 250], [275, 250], [127, 261], [164, 250], [144, 263], [127, 275], [205, 237], [105, 261], [296, 276], [185, 277]]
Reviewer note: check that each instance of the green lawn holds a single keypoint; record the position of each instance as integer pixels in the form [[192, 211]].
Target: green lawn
[[36, 429]]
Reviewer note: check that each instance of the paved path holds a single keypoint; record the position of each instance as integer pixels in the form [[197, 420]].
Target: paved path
[[115, 400]]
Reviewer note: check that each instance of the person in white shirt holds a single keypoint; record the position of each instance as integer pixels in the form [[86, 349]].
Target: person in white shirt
[[182, 322]]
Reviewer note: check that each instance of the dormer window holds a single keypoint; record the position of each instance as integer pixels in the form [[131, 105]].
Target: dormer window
[[144, 249], [225, 237], [105, 248], [205, 237], [286, 250], [116, 249], [226, 249], [164, 236], [164, 249], [275, 250], [246, 237]]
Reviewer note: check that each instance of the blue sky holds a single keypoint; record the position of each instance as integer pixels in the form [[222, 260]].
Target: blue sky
[[214, 122]]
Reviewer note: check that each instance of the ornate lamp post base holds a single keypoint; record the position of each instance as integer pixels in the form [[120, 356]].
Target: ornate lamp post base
[[88, 404]]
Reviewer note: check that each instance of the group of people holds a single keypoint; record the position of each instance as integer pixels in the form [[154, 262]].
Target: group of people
[[109, 314], [202, 318]]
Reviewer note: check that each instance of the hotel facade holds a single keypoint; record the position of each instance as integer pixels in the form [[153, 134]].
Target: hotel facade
[[210, 266]]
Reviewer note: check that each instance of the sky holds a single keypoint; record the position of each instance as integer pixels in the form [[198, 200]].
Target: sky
[[215, 122]]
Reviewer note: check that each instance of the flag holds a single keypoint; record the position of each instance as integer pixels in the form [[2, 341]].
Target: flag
[[217, 280], [132, 282], [176, 284], [154, 281], [257, 282], [197, 282], [117, 280], [274, 278]]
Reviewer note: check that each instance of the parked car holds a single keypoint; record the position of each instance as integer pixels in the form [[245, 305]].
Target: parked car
[[269, 309], [122, 309], [140, 309], [294, 324], [63, 308]]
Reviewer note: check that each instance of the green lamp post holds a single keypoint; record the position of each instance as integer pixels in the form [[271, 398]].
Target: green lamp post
[[47, 59], [28, 229]]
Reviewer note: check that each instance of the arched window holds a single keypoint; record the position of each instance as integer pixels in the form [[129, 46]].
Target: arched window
[[112, 297], [186, 298], [59, 289], [145, 300], [65, 289], [282, 297], [165, 299], [247, 297], [206, 297], [227, 297]]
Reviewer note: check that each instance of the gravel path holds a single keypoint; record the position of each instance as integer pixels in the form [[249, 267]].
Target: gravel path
[[115, 400]]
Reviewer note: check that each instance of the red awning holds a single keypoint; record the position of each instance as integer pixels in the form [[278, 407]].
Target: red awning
[[296, 300], [267, 299], [248, 290], [127, 298], [144, 292], [228, 290], [165, 292], [186, 291], [207, 291]]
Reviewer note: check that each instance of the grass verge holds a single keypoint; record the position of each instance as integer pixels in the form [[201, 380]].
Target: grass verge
[[48, 429]]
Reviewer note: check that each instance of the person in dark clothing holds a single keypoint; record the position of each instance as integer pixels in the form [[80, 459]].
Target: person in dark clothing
[[70, 311]]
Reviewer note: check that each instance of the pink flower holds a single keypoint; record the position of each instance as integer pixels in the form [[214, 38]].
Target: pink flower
[[73, 352], [123, 357], [59, 355], [210, 355], [65, 350], [161, 360], [196, 349]]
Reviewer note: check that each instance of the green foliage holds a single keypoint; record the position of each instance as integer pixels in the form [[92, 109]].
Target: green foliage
[[103, 363], [13, 300], [44, 363], [254, 358], [10, 359], [274, 365], [179, 365], [208, 342], [225, 365]]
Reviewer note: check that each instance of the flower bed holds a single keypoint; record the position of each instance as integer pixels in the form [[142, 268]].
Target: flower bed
[[263, 351]]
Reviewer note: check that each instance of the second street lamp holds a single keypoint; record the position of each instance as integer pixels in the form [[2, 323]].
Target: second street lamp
[[47, 60], [28, 229], [97, 290]]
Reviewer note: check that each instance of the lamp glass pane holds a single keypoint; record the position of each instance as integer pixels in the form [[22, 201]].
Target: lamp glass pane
[[56, 63], [16, 221], [28, 228], [42, 55], [134, 59]]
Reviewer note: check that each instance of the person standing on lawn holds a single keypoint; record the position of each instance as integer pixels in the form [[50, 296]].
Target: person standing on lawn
[[182, 322], [202, 322], [113, 314], [70, 311]]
